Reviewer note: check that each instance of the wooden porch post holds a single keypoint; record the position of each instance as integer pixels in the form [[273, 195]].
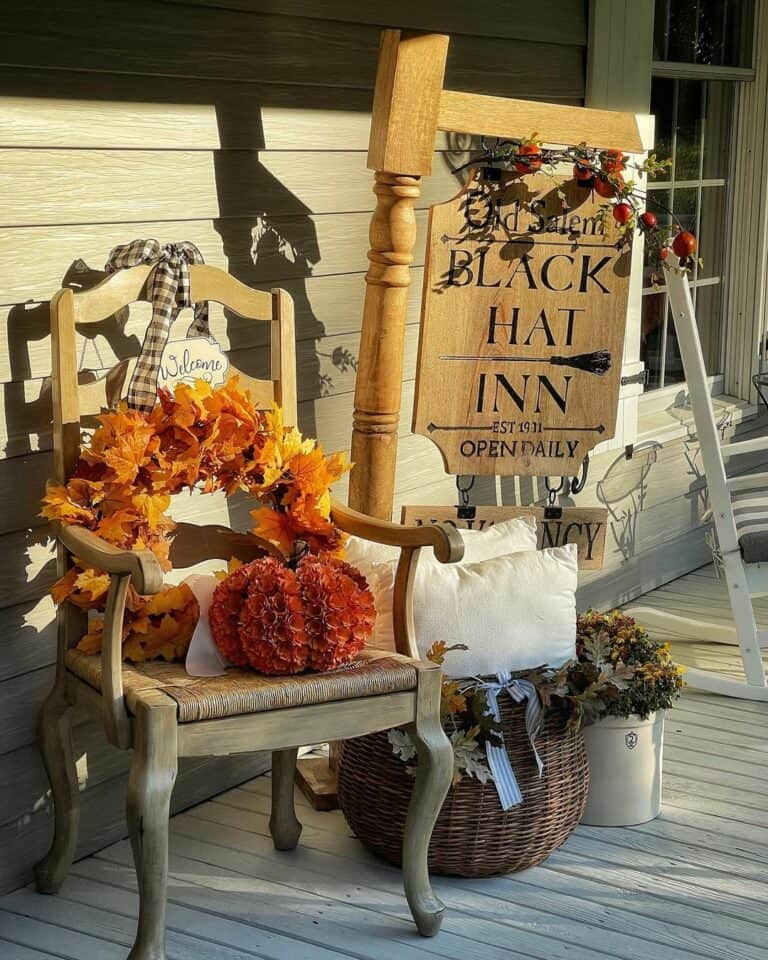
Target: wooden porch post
[[406, 102]]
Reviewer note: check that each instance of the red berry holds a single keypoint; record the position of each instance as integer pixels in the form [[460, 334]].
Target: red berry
[[614, 161], [582, 173], [684, 244], [663, 253], [623, 213], [648, 220], [604, 188], [533, 159]]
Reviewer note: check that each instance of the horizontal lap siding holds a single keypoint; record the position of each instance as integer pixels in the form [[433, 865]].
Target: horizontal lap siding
[[188, 121]]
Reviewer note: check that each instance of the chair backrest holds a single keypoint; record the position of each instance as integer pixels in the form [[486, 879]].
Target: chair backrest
[[707, 431], [74, 401]]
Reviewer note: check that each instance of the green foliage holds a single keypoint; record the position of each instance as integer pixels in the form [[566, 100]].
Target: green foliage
[[619, 669]]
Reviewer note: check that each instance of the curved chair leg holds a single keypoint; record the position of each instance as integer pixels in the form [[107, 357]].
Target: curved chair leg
[[433, 779], [283, 825], [59, 760], [150, 784]]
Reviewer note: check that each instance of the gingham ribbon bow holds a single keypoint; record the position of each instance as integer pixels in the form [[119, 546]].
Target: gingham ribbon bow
[[507, 786], [171, 291]]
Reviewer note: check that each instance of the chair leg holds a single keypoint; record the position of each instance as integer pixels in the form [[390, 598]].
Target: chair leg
[[433, 779], [283, 825], [150, 784], [744, 618], [59, 760]]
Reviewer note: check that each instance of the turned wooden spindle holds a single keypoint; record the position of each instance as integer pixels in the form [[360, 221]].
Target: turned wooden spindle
[[380, 371], [406, 101]]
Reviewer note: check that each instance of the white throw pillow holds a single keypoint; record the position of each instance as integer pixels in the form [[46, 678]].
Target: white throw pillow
[[513, 612], [378, 563]]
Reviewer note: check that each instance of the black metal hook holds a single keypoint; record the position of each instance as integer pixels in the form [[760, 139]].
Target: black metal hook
[[464, 509], [579, 482]]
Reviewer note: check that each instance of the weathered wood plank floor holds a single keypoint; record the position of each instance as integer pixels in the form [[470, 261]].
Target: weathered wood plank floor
[[693, 883], [702, 596]]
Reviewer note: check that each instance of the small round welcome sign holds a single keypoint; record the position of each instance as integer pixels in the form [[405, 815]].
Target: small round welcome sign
[[191, 359]]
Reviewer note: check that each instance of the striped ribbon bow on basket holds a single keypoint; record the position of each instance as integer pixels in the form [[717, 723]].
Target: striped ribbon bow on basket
[[171, 292], [504, 777]]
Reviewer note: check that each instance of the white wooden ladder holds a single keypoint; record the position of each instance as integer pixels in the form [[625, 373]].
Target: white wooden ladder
[[741, 525]]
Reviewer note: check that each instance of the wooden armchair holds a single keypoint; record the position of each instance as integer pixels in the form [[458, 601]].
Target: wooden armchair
[[160, 712]]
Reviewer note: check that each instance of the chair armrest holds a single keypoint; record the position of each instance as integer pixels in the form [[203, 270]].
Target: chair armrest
[[444, 539], [142, 565]]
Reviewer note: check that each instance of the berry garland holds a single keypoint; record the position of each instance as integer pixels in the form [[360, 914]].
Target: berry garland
[[196, 438], [605, 172]]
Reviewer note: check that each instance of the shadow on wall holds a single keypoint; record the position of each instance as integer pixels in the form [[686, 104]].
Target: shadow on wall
[[265, 250], [268, 237], [622, 490]]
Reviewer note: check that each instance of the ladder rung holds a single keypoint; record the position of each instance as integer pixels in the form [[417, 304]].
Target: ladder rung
[[756, 445]]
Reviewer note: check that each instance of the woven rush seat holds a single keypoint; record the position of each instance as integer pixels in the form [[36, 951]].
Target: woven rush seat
[[237, 692]]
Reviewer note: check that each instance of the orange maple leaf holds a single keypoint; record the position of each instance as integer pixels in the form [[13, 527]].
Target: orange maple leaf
[[76, 503], [275, 527]]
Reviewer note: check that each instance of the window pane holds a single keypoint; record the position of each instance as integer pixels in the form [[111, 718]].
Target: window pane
[[719, 104], [716, 32], [660, 203], [688, 129], [662, 106], [709, 302], [654, 305], [711, 230], [681, 31], [684, 207], [660, 31], [673, 362]]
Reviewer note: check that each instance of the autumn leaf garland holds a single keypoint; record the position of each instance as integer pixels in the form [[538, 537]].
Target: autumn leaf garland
[[197, 437]]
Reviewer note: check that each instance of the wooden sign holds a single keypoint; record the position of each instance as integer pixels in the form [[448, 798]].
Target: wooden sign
[[191, 359], [522, 328], [583, 526]]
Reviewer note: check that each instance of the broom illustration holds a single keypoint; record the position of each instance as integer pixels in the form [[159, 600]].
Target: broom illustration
[[597, 362]]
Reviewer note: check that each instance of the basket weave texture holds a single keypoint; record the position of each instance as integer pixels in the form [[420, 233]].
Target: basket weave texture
[[473, 836]]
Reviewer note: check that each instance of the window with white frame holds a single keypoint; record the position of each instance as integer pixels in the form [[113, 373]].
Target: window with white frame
[[699, 49]]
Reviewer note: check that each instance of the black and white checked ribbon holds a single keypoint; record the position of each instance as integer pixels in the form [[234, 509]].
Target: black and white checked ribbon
[[504, 777], [171, 291]]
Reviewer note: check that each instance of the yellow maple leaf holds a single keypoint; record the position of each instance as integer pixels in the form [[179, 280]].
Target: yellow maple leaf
[[92, 583], [152, 506], [91, 642], [171, 598], [436, 652]]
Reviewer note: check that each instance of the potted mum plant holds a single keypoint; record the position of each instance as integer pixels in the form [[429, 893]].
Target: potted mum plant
[[618, 688]]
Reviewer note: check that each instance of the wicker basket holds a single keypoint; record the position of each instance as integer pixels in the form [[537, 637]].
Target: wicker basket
[[473, 836]]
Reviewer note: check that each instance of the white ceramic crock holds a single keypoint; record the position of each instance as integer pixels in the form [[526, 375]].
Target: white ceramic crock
[[625, 755]]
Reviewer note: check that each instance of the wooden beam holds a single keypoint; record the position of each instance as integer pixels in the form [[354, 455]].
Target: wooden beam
[[553, 123]]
